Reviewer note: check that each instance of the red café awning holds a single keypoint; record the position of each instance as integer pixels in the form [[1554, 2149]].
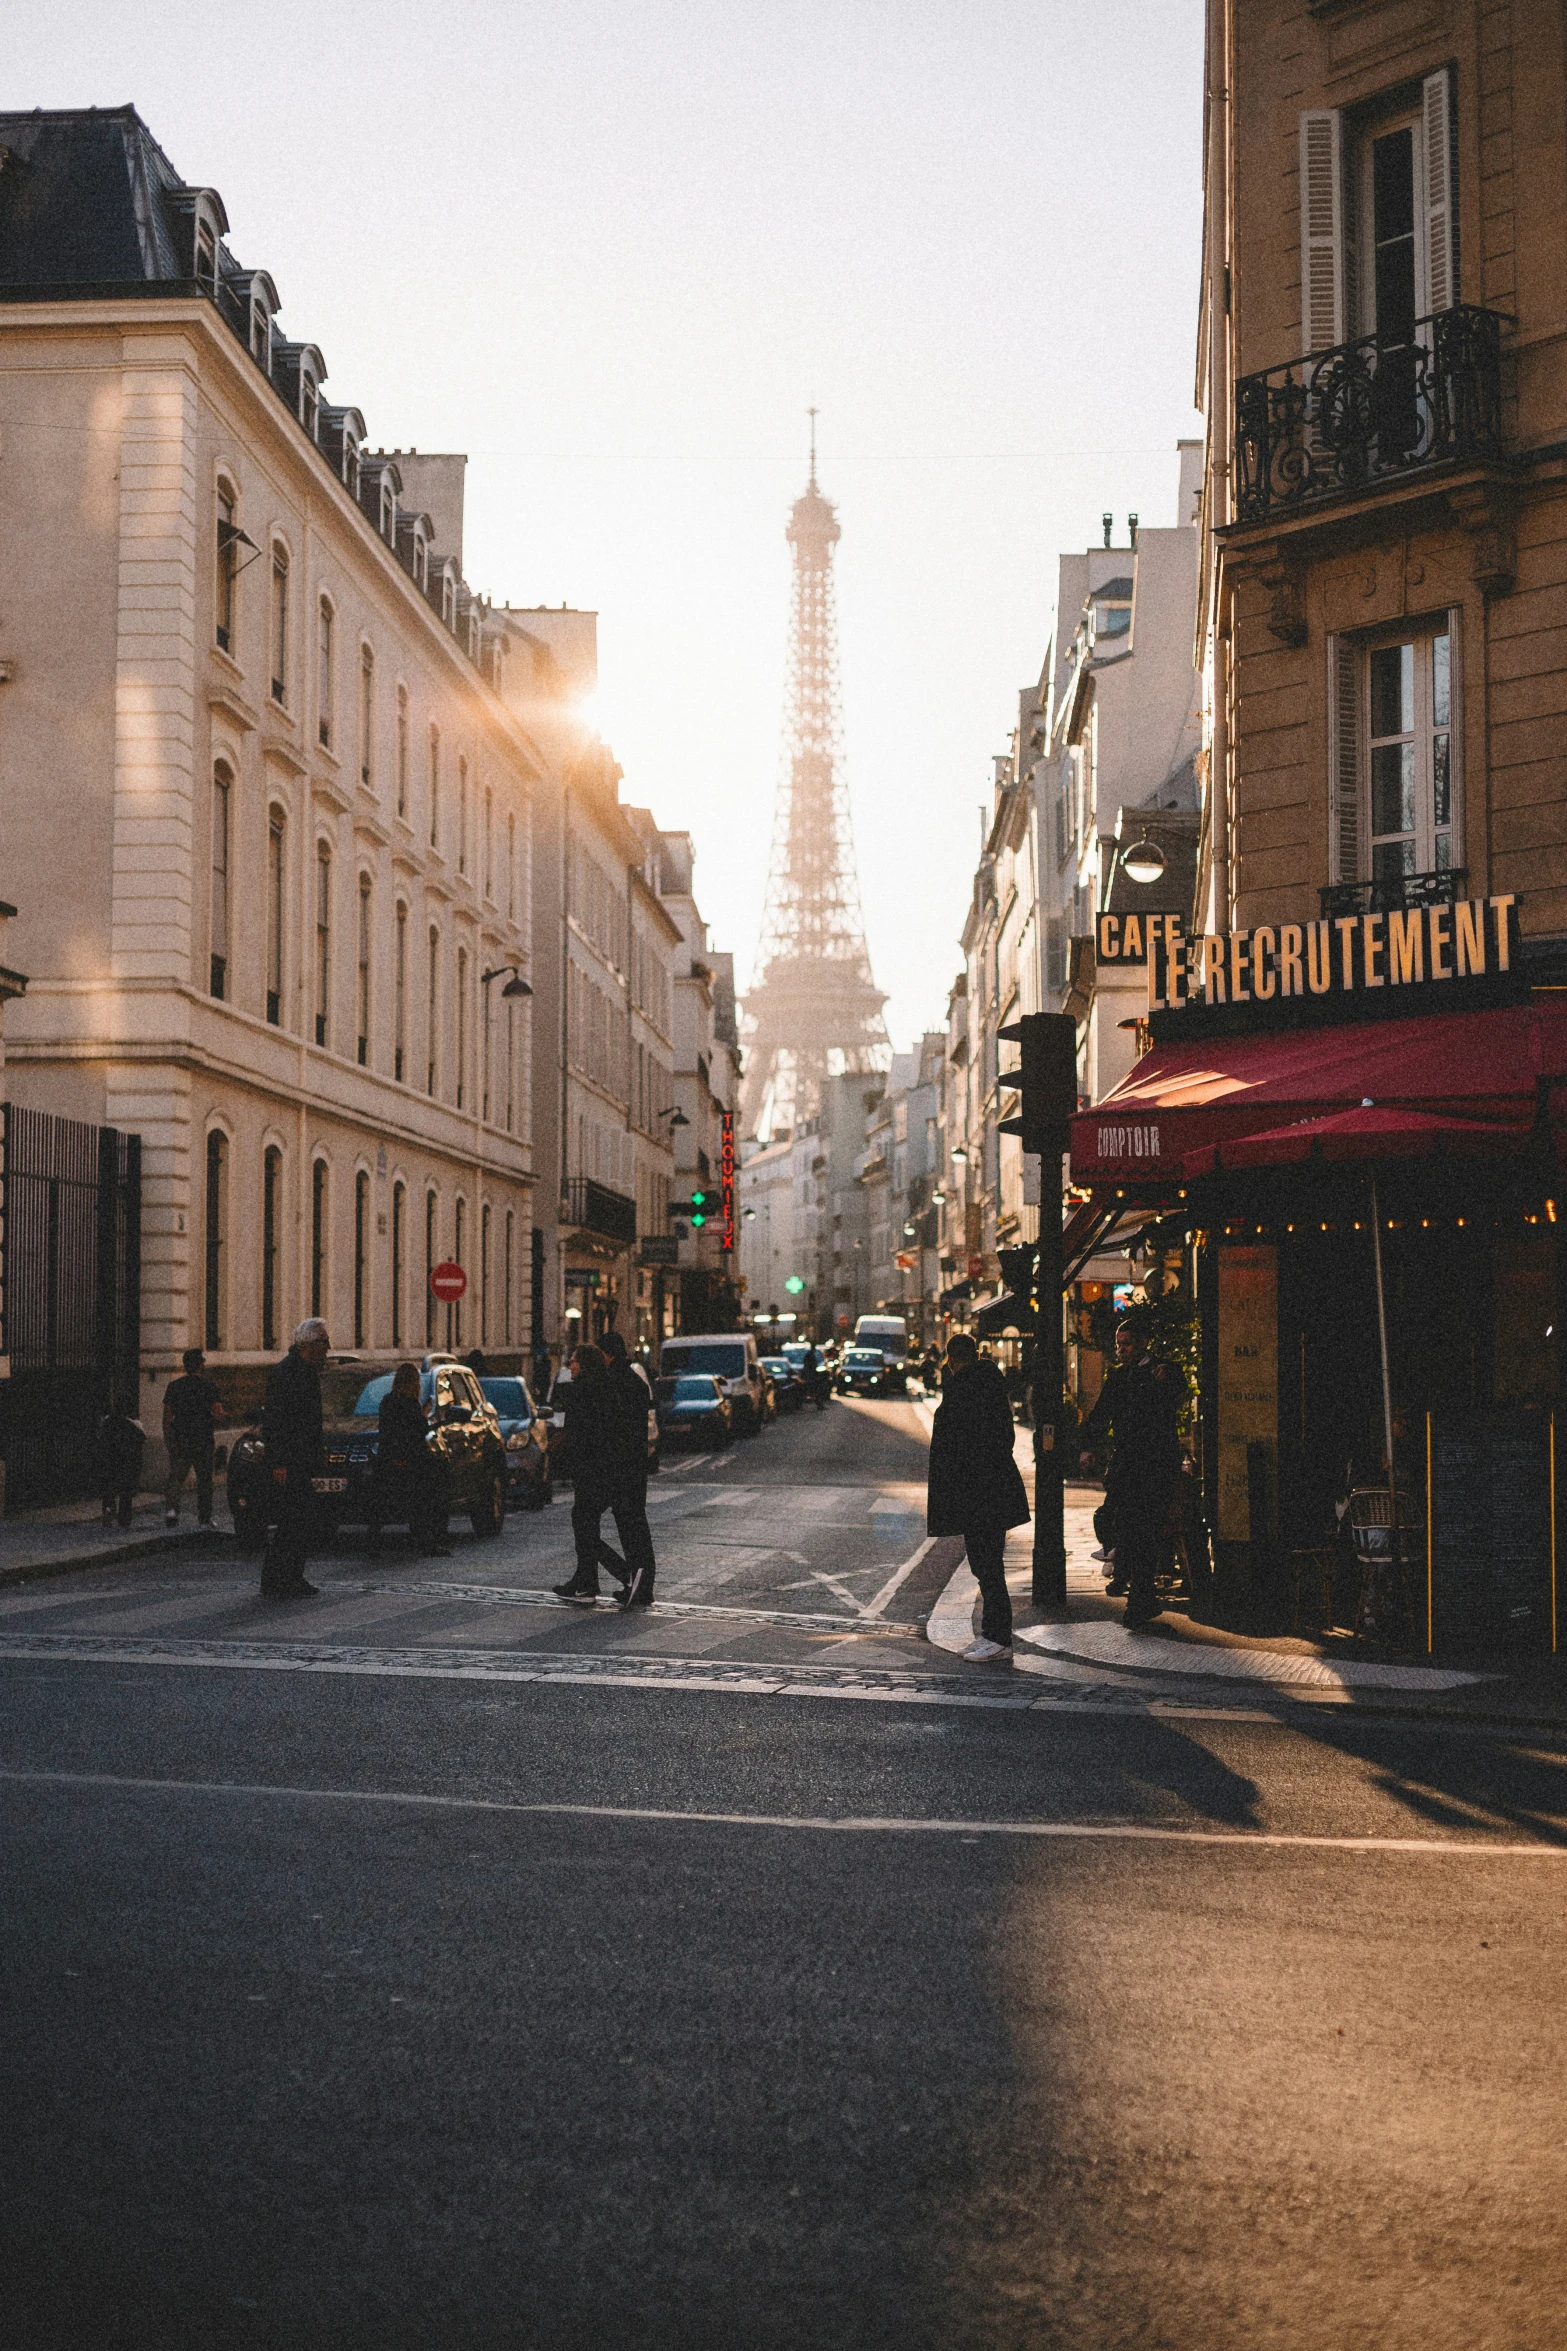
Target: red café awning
[[1371, 1132], [1461, 1069]]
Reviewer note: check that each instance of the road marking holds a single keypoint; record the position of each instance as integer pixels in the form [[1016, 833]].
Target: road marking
[[849, 1824], [819, 1575], [897, 1577]]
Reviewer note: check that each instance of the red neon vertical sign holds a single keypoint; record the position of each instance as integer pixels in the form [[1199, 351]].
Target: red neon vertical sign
[[726, 1175]]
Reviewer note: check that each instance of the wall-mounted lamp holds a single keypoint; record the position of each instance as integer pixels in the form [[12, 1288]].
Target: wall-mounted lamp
[[676, 1117], [959, 1155], [515, 986], [1143, 862]]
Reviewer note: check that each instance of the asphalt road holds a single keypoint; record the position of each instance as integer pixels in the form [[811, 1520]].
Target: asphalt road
[[361, 2011]]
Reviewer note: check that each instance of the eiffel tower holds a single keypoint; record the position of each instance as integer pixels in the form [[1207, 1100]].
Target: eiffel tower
[[813, 1009]]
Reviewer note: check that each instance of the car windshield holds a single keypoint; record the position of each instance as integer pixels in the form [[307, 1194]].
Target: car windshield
[[375, 1392], [776, 1364], [797, 1354], [509, 1397], [864, 1358], [728, 1361]]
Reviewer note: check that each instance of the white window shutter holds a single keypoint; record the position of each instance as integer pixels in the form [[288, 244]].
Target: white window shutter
[[1322, 230], [1436, 207], [1344, 759]]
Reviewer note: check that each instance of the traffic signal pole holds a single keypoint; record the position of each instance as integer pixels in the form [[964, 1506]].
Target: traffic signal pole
[[1047, 1085]]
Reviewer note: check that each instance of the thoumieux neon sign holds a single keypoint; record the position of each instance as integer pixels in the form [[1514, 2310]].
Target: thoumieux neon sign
[[1346, 966]]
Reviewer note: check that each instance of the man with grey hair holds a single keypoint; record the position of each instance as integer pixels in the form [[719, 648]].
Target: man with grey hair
[[291, 1435]]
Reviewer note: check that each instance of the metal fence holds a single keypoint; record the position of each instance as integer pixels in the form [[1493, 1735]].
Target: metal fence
[[71, 1291]]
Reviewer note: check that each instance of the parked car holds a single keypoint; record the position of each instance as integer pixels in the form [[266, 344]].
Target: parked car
[[789, 1389], [693, 1407], [861, 1372], [525, 1433], [555, 1417], [465, 1437], [729, 1356]]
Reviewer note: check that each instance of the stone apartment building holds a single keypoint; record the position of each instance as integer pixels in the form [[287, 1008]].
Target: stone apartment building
[[266, 806], [1385, 519]]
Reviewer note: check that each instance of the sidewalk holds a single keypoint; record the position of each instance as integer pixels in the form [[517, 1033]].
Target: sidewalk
[[70, 1535]]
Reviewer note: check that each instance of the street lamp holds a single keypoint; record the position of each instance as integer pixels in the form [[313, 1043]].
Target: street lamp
[[676, 1117], [515, 986], [959, 1155], [1144, 861]]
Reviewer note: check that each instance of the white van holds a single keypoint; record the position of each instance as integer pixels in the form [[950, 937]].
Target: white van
[[889, 1332], [731, 1357]]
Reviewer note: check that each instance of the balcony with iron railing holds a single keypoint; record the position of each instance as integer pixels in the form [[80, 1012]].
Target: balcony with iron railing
[[589, 1207], [1369, 412], [1393, 893]]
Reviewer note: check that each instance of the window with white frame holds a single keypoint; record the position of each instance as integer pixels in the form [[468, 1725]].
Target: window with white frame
[[279, 626], [402, 751], [222, 785], [462, 1025], [431, 1007], [275, 873], [400, 995], [1395, 738], [323, 938], [227, 566], [1378, 216], [462, 816], [362, 974], [435, 787]]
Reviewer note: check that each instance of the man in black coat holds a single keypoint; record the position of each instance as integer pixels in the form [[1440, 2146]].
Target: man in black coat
[[976, 1489], [591, 1455], [1137, 1408], [291, 1436], [632, 1401]]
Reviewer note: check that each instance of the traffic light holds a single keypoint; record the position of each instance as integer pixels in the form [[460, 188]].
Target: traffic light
[[1017, 1273], [1046, 1080]]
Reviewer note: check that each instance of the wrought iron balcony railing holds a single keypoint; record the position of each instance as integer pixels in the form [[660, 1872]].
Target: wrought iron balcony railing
[[1393, 893], [1368, 411], [594, 1208]]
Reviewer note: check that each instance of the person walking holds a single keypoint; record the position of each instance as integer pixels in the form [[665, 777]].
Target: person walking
[[590, 1455], [632, 1399], [121, 1441], [976, 1489], [1138, 1409], [406, 1471], [192, 1409], [291, 1440]]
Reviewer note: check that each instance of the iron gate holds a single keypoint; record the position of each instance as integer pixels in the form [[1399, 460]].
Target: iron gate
[[72, 1298]]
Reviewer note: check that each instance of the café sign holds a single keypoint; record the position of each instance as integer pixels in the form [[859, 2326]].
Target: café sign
[[1406, 960]]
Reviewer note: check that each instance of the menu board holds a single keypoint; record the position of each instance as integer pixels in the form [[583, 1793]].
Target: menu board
[[1491, 1530]]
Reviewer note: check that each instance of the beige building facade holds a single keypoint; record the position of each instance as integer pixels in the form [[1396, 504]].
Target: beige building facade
[[266, 810]]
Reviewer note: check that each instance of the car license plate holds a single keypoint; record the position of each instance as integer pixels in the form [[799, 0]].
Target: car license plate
[[329, 1485]]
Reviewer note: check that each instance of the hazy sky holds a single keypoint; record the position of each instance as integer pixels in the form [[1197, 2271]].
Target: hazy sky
[[614, 250]]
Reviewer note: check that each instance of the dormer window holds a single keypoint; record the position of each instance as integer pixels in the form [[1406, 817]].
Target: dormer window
[[1112, 620], [388, 512], [206, 258], [351, 465], [261, 335], [421, 558], [309, 401], [448, 597]]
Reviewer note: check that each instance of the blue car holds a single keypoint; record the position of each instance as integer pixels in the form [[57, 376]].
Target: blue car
[[694, 1406], [525, 1433]]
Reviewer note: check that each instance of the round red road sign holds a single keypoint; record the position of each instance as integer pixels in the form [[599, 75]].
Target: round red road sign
[[448, 1281]]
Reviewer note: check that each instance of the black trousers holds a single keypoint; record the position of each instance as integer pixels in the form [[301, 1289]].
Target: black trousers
[[987, 1547], [292, 1538], [627, 1502], [118, 1501], [1140, 1513]]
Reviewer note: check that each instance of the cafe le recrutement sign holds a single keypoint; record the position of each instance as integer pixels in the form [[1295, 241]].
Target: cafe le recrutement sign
[[1459, 956]]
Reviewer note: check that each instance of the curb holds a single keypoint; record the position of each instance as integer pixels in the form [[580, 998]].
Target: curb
[[108, 1555]]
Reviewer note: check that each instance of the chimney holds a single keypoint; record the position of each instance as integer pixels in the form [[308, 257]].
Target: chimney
[[1109, 522], [1131, 525]]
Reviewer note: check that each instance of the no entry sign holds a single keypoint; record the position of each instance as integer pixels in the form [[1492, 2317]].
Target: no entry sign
[[448, 1281]]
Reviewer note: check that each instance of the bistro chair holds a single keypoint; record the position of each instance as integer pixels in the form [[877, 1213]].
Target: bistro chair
[[1384, 1604], [1312, 1571]]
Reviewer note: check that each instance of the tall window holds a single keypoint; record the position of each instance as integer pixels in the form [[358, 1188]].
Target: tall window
[[510, 1237], [399, 1251], [275, 916], [462, 816], [511, 1059], [511, 868], [1410, 738], [435, 787], [402, 750], [227, 551], [362, 991], [318, 1207], [400, 996], [323, 937], [324, 676], [462, 1023], [429, 1268], [459, 1238], [484, 1055], [361, 1257], [432, 1005], [216, 1236], [271, 1209], [484, 1275], [366, 716], [489, 845], [219, 963], [279, 626]]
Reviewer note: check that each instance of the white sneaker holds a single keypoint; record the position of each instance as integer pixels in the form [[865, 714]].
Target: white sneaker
[[982, 1652]]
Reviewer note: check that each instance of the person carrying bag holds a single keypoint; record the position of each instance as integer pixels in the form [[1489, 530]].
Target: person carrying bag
[[976, 1489]]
